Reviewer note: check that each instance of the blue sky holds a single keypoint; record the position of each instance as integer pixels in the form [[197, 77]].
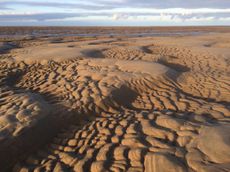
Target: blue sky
[[114, 12]]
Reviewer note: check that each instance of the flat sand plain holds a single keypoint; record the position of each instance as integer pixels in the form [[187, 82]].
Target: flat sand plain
[[116, 103]]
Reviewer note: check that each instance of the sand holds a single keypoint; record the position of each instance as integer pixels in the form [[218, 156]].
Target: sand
[[153, 104]]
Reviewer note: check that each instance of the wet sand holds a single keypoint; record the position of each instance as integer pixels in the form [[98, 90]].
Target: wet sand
[[116, 103]]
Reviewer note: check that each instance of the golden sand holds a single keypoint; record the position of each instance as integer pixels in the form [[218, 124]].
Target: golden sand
[[153, 104]]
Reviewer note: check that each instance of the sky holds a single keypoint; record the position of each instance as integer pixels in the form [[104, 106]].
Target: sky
[[114, 12]]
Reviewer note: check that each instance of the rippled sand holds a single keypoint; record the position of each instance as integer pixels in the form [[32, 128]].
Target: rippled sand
[[153, 104]]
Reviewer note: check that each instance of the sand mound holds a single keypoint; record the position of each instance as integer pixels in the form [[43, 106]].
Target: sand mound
[[214, 141], [46, 52], [135, 67], [19, 114], [153, 69], [57, 51]]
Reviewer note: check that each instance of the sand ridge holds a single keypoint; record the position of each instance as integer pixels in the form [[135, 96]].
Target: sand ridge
[[135, 104]]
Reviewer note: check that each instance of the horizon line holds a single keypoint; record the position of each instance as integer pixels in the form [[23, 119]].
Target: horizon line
[[116, 26]]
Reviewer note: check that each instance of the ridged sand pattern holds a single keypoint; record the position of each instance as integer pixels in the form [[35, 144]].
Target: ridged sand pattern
[[134, 104]]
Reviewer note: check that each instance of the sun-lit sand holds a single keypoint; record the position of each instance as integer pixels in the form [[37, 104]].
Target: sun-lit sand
[[116, 103]]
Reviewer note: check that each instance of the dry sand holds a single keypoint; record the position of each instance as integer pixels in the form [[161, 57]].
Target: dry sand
[[154, 104]]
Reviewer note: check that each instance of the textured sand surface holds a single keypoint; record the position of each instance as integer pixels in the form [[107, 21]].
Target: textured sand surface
[[154, 104]]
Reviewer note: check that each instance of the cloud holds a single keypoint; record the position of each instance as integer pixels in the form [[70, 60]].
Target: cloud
[[161, 16], [181, 15], [62, 5], [120, 16], [36, 17], [114, 4], [169, 3], [115, 10]]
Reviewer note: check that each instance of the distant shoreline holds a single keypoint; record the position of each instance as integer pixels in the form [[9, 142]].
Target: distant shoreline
[[60, 31]]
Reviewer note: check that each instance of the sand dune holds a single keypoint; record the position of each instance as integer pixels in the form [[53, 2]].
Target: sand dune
[[110, 104]]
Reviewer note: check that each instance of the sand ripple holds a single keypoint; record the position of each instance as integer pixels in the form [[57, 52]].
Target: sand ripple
[[140, 104]]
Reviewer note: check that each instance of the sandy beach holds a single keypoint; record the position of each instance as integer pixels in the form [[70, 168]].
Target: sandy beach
[[99, 99]]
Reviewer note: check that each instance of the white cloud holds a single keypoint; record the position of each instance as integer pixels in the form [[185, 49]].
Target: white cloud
[[120, 16], [116, 10]]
